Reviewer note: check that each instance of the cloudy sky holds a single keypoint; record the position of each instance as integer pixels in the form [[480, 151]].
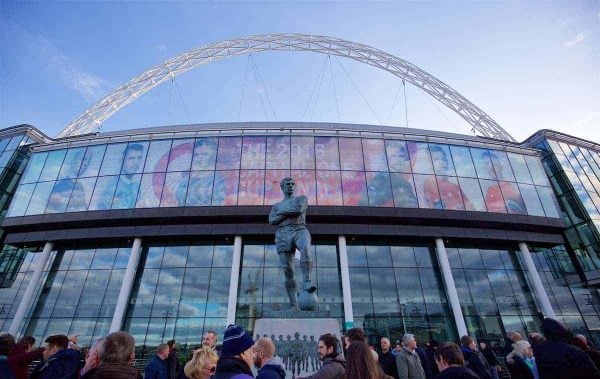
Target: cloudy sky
[[529, 65]]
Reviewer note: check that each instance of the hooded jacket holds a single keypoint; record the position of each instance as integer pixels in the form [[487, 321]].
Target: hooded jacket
[[273, 369], [334, 366], [232, 368], [474, 363], [63, 364], [113, 371]]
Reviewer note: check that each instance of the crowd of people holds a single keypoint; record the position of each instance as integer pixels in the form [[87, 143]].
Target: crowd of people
[[554, 354]]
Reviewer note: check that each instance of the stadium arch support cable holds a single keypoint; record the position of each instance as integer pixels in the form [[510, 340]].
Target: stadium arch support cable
[[91, 120]]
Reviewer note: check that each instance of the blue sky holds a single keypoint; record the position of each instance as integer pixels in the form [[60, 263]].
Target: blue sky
[[530, 65]]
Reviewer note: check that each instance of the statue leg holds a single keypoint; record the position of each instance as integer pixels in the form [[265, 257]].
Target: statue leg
[[286, 261], [306, 261]]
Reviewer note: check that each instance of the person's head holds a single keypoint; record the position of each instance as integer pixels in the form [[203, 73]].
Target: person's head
[[27, 342], [7, 342], [468, 341], [514, 336], [448, 354], [92, 357], [536, 339], [327, 345], [264, 350], [523, 349], [132, 158], [162, 351], [398, 345], [397, 153], [580, 341], [171, 344], [288, 186], [54, 344], [555, 330], [117, 348], [360, 362], [209, 339], [440, 159], [238, 343], [204, 155], [385, 344], [409, 342], [354, 334], [202, 365], [482, 345]]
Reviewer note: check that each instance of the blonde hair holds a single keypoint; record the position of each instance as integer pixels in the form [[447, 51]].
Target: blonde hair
[[193, 368], [520, 348]]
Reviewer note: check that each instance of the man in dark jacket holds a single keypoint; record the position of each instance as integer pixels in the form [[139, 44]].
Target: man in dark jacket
[[172, 361], [22, 355], [556, 359], [581, 342], [387, 360], [116, 353], [59, 360], [473, 360], [334, 364], [269, 366], [237, 355], [7, 343], [450, 361], [157, 367]]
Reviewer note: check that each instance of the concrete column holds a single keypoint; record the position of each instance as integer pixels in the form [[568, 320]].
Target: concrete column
[[536, 282], [450, 287], [126, 286], [346, 293], [30, 293], [235, 279]]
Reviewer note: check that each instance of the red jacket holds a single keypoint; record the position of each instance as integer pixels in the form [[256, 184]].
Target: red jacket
[[19, 360]]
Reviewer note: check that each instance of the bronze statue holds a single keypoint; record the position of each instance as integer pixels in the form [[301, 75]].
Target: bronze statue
[[289, 215]]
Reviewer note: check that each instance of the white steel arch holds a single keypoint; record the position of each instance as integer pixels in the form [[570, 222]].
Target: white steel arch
[[92, 118]]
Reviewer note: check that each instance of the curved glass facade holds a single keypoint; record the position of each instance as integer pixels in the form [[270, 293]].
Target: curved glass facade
[[229, 171]]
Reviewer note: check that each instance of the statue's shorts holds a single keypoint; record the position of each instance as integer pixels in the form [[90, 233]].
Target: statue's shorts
[[290, 238]]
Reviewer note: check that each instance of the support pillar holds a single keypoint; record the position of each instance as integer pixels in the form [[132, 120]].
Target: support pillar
[[29, 295], [536, 282], [126, 286], [346, 293], [234, 281], [450, 287]]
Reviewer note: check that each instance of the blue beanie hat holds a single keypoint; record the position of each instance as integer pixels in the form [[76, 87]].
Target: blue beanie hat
[[236, 341]]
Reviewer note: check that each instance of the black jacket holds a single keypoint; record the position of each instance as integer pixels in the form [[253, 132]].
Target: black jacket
[[424, 362], [559, 360], [519, 369], [455, 372], [232, 367], [63, 364], [272, 370], [387, 362], [474, 363]]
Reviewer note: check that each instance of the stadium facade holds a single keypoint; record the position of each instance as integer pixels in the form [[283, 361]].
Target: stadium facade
[[163, 231]]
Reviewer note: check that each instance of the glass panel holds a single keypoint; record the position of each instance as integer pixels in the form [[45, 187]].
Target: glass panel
[[519, 168], [21, 200], [113, 159], [52, 165], [356, 256], [403, 256], [451, 196], [384, 300], [326, 151], [470, 258], [81, 194], [420, 159], [104, 258], [273, 191], [374, 152], [493, 196], [351, 155], [180, 157], [253, 153], [59, 197], [40, 198], [134, 157], [379, 256], [303, 151], [158, 156], [218, 292], [228, 156], [225, 188], [128, 185], [278, 152], [472, 193], [512, 198], [199, 189], [72, 163], [193, 293], [103, 192], [354, 187], [442, 160], [427, 191], [409, 292], [530, 198], [175, 189], [378, 187], [34, 168], [222, 256], [329, 187], [397, 155], [537, 171], [305, 185], [90, 166], [548, 201], [404, 190], [463, 162], [205, 154], [252, 187], [483, 163], [501, 166], [150, 192]]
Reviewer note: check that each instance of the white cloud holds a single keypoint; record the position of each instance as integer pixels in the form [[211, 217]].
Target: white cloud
[[587, 127], [577, 39]]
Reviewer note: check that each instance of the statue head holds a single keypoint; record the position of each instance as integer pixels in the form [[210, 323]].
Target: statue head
[[288, 186]]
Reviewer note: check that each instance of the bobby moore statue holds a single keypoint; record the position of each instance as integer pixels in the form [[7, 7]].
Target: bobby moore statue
[[289, 215]]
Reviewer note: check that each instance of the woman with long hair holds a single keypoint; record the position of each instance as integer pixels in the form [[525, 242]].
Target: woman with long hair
[[202, 365], [360, 363]]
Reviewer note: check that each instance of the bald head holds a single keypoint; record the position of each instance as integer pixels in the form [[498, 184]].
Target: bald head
[[385, 344], [265, 345], [514, 336]]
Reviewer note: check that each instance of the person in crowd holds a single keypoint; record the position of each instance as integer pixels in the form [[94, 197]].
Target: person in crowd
[[202, 365], [397, 349], [158, 368], [387, 361], [524, 363], [59, 361], [172, 362], [21, 356], [473, 358], [92, 357], [490, 357], [581, 342], [408, 362], [556, 359], [536, 339], [116, 352], [7, 343], [210, 339], [334, 364], [450, 362], [430, 350], [358, 364], [269, 366], [508, 344], [357, 334], [237, 356], [424, 361]]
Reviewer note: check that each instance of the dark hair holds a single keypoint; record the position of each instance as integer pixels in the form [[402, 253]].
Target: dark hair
[[27, 341], [117, 347], [356, 334], [360, 363], [450, 352], [466, 340], [59, 340], [7, 342], [171, 343], [329, 340]]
